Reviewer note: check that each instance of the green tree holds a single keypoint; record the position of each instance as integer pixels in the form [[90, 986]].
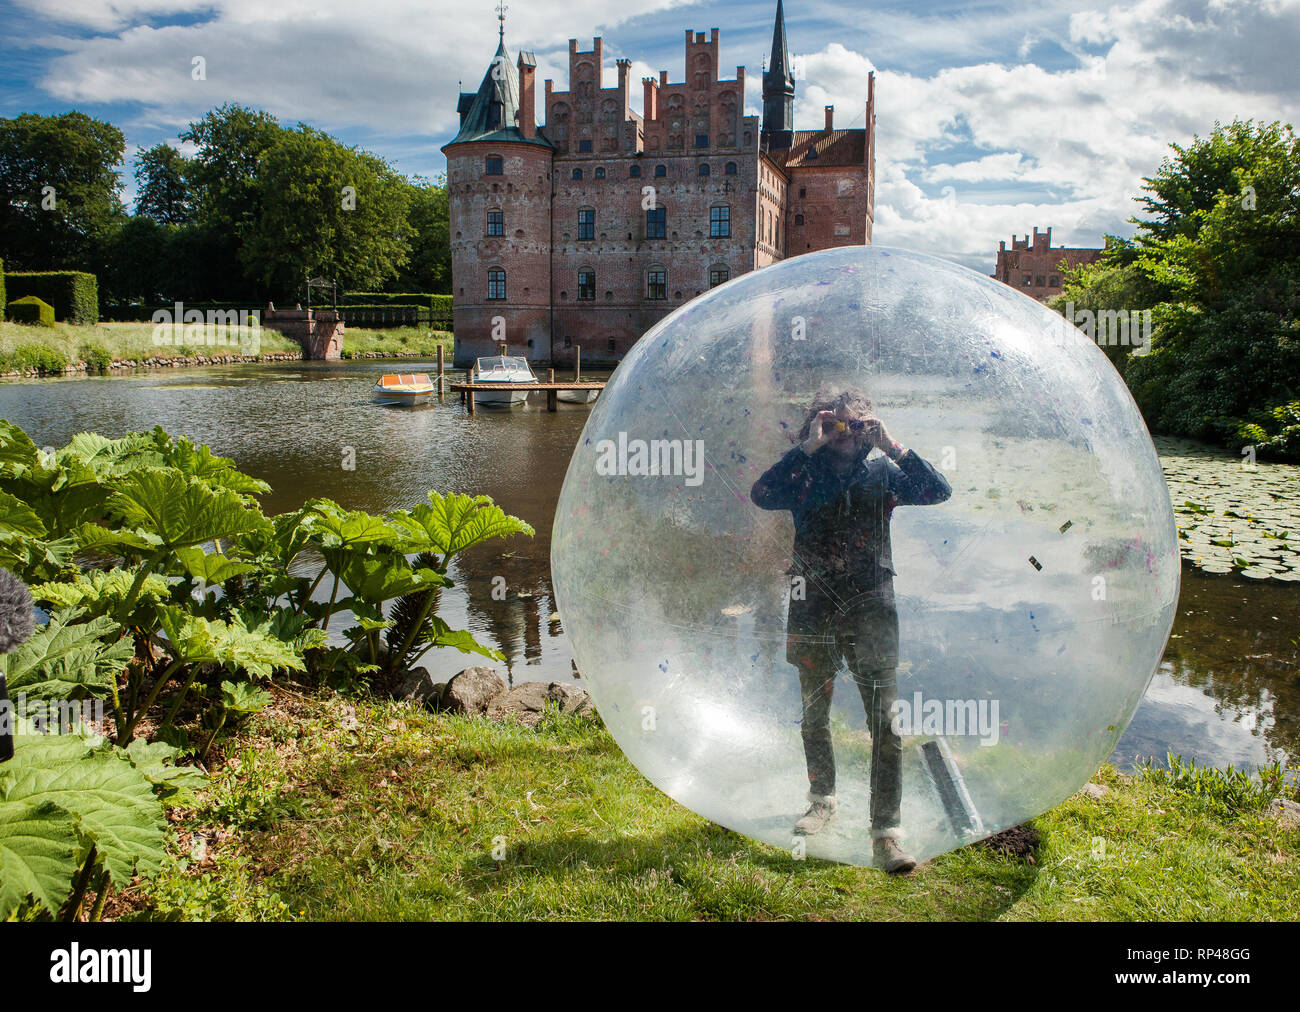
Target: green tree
[[59, 190], [326, 209], [429, 267], [163, 192]]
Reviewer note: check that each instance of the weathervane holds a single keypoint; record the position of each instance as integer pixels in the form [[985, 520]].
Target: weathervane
[[501, 16]]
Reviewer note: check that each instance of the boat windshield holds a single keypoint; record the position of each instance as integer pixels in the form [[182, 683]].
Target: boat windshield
[[504, 363]]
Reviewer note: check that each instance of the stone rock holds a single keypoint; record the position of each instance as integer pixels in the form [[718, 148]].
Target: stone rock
[[1094, 791], [470, 691], [1286, 812], [419, 687], [527, 701]]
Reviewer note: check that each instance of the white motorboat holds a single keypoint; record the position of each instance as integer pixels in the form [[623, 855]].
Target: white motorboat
[[502, 369], [577, 396]]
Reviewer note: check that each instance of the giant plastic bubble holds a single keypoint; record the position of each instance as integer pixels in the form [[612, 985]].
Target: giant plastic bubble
[[1032, 603]]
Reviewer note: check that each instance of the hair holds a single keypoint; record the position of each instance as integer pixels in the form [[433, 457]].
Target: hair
[[832, 399]]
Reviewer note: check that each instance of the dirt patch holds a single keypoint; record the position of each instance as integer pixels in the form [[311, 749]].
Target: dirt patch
[[1018, 841]]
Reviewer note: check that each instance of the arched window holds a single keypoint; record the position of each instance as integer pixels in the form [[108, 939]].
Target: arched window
[[496, 224], [661, 170], [493, 165], [731, 168], [720, 222], [704, 168], [634, 172], [600, 172], [719, 274], [656, 283], [586, 284], [656, 223], [798, 219], [586, 223], [577, 173], [496, 283]]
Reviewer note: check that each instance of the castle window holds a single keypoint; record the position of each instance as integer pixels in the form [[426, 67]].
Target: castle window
[[656, 223], [1040, 281], [568, 342], [496, 224], [798, 219], [586, 223], [656, 283], [496, 284], [661, 170], [493, 165], [1027, 280], [612, 345], [586, 285], [731, 168], [720, 222], [577, 173], [600, 172], [1054, 281], [803, 192], [718, 275], [634, 172], [584, 145], [704, 168], [701, 140]]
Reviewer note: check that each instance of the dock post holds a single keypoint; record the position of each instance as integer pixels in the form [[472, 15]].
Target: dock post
[[440, 372], [577, 363], [551, 399]]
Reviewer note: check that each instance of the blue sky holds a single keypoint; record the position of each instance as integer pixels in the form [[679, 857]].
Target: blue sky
[[992, 118]]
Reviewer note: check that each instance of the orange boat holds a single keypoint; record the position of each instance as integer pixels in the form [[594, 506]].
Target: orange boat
[[403, 388]]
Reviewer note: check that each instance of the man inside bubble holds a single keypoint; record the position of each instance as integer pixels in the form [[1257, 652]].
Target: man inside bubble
[[842, 608]]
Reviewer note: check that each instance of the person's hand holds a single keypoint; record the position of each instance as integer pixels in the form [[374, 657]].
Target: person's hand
[[821, 432], [875, 434]]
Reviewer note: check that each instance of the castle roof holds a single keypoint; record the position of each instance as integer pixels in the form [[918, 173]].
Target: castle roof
[[820, 147], [492, 112]]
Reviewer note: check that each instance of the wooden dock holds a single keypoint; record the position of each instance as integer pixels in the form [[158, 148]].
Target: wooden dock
[[551, 387]]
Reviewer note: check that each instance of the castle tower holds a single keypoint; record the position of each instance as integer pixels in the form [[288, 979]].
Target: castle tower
[[499, 196], [778, 90]]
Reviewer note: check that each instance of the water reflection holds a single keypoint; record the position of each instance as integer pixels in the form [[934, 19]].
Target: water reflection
[[1228, 689]]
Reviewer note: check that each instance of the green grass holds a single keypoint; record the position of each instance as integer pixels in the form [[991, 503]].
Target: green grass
[[407, 342], [127, 341], [326, 809]]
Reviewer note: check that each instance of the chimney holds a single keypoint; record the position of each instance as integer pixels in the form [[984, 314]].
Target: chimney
[[830, 118], [650, 105], [527, 95]]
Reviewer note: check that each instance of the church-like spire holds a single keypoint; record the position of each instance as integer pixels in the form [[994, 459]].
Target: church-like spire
[[492, 112], [778, 89]]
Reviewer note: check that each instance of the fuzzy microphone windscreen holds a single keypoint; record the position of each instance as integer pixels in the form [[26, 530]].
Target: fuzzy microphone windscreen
[[17, 619]]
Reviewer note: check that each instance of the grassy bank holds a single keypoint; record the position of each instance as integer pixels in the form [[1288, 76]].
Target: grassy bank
[[50, 349], [334, 809]]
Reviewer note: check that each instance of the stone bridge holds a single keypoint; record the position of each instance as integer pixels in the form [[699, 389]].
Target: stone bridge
[[319, 331]]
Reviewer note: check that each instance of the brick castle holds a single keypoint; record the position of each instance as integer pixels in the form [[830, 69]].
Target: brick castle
[[1036, 268], [591, 227]]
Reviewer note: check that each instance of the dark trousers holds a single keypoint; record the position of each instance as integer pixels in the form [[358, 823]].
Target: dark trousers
[[845, 621]]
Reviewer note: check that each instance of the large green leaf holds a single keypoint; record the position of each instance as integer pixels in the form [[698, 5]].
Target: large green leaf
[[100, 592], [69, 660], [157, 761], [379, 578], [39, 854], [182, 511], [215, 472], [231, 644], [17, 516], [331, 526], [113, 802], [453, 523], [210, 567], [17, 451]]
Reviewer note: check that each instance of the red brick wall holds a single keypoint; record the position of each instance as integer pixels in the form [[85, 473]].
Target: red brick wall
[[1032, 263], [833, 203]]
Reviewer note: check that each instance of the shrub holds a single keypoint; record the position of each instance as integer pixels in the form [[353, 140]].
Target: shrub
[[30, 309], [73, 294], [2, 284], [96, 356], [32, 358]]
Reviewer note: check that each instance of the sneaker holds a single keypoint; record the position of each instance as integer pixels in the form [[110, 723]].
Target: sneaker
[[890, 856], [820, 812]]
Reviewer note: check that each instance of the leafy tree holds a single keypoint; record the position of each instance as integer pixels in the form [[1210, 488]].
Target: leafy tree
[[326, 209], [163, 193], [59, 190], [429, 267]]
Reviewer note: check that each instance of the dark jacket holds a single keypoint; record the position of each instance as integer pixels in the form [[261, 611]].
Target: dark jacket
[[841, 522]]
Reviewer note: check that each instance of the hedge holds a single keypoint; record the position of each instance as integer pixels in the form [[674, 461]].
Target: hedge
[[73, 294], [30, 309], [144, 314], [2, 287], [440, 304]]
